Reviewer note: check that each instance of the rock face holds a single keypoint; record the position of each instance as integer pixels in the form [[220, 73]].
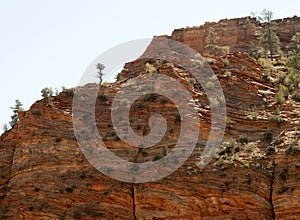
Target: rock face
[[254, 175], [237, 33]]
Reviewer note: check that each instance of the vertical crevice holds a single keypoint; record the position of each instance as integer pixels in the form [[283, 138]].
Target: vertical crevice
[[271, 193], [4, 189], [133, 201]]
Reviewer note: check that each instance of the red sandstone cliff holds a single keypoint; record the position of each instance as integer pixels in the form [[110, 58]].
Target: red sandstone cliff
[[237, 33], [255, 174]]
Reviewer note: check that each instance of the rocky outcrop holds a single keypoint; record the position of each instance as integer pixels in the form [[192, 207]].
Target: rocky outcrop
[[255, 174], [238, 33]]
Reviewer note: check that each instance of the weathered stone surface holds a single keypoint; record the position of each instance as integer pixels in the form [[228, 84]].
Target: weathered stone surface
[[238, 33], [254, 175]]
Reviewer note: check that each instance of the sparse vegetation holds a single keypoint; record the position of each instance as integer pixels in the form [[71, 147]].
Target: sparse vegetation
[[212, 48], [100, 67], [226, 62], [16, 109], [279, 98], [255, 51], [214, 103], [229, 123], [253, 113], [296, 96], [269, 41], [166, 150], [277, 119], [228, 73], [209, 85], [47, 96], [150, 68], [5, 127], [268, 67], [294, 52]]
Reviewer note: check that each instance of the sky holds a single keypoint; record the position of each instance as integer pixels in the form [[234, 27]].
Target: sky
[[50, 43]]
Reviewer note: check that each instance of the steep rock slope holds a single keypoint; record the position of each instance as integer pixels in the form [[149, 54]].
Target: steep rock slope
[[255, 174]]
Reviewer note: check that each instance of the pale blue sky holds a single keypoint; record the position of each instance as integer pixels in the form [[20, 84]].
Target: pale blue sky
[[52, 42]]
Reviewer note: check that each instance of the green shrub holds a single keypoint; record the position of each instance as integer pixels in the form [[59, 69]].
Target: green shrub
[[254, 115], [281, 78], [277, 119], [284, 90], [47, 94], [209, 85], [226, 62], [228, 73], [214, 103], [296, 96], [5, 127], [277, 111], [279, 98], [150, 68]]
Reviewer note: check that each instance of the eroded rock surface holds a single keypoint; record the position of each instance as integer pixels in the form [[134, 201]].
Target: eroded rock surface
[[254, 175]]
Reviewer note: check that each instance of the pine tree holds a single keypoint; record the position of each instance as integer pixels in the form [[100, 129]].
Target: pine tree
[[16, 109], [5, 127], [269, 40], [47, 96], [100, 67], [294, 52]]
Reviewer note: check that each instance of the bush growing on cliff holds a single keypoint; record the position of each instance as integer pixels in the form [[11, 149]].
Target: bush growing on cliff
[[277, 119], [255, 51], [211, 48], [294, 52], [150, 68], [268, 67], [253, 113], [5, 127], [47, 96], [16, 109], [296, 96]]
